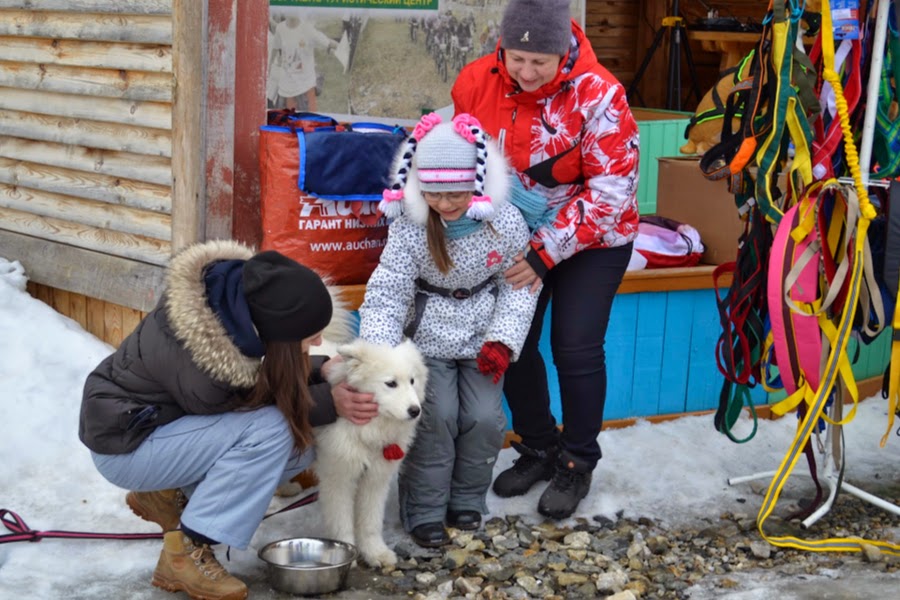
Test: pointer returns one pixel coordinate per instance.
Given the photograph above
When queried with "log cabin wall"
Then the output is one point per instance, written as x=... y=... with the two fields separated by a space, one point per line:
x=98 y=157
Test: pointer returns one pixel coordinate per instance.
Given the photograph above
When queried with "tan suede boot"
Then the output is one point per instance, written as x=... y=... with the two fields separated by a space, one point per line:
x=163 y=507
x=185 y=566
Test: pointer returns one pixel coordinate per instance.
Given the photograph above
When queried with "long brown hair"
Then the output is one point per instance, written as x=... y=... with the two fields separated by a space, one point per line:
x=437 y=242
x=282 y=381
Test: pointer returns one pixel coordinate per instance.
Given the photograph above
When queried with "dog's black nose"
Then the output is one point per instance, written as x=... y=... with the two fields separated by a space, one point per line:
x=414 y=411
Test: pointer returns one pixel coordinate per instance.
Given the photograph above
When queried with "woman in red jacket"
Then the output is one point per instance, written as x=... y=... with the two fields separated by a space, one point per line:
x=564 y=123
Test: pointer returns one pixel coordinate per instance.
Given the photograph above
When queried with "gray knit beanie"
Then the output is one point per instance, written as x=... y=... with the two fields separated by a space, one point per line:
x=542 y=26
x=446 y=161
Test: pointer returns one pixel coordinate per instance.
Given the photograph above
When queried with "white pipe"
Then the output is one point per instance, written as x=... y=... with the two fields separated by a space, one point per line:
x=865 y=150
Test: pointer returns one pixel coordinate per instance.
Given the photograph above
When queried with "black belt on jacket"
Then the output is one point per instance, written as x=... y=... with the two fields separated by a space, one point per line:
x=458 y=293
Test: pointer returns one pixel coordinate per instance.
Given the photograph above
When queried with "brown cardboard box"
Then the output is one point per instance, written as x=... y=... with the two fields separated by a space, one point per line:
x=685 y=195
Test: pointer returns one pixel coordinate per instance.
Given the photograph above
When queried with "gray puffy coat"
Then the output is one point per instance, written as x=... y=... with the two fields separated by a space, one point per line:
x=178 y=361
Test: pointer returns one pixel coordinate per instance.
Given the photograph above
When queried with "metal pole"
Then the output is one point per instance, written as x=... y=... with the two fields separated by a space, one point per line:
x=865 y=150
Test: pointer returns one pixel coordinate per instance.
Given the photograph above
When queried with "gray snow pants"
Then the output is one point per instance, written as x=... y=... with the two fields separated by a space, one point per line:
x=451 y=462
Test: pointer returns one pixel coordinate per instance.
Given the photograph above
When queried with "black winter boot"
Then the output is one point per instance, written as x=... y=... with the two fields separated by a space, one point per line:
x=532 y=466
x=571 y=482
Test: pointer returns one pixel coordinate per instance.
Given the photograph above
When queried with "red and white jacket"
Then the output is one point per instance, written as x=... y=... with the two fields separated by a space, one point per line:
x=574 y=141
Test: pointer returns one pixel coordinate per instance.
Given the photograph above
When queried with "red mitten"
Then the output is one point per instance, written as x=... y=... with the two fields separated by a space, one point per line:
x=494 y=359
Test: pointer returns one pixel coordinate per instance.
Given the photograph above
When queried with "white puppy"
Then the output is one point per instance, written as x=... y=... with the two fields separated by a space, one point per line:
x=355 y=464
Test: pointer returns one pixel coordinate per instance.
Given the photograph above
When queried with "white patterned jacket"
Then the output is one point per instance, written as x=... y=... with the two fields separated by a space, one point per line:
x=450 y=328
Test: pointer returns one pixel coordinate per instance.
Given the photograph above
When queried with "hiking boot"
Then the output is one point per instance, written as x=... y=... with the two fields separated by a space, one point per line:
x=571 y=482
x=163 y=507
x=466 y=520
x=430 y=535
x=186 y=566
x=532 y=466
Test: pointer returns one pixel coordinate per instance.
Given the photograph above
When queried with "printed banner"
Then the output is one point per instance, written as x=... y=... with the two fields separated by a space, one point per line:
x=393 y=59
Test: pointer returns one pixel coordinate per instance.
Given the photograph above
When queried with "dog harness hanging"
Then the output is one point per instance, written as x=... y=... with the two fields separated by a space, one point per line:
x=859 y=212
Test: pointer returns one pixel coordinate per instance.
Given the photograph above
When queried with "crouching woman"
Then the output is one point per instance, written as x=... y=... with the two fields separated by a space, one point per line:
x=209 y=405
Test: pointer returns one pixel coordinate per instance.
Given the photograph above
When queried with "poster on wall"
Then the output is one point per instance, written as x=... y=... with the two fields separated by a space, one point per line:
x=395 y=59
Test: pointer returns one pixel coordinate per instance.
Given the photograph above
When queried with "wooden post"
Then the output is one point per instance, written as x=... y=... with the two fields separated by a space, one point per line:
x=219 y=134
x=250 y=113
x=188 y=147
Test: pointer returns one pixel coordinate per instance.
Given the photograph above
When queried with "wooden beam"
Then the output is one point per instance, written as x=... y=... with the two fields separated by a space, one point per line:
x=149 y=169
x=86 y=212
x=93 y=274
x=82 y=81
x=188 y=147
x=86 y=184
x=110 y=55
x=218 y=133
x=139 y=248
x=96 y=27
x=250 y=113
x=667 y=280
x=141 y=7
x=82 y=132
x=157 y=115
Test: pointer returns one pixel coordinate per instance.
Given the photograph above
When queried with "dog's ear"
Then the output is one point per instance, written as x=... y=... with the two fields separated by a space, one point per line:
x=358 y=351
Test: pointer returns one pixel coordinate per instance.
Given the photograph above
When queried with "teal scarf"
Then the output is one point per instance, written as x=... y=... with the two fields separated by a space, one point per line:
x=461 y=227
x=532 y=205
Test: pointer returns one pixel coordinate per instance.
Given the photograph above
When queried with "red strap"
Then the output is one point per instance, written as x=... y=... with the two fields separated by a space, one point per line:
x=21 y=532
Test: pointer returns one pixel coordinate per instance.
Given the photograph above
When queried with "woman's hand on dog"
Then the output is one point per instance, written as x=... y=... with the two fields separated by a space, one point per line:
x=357 y=407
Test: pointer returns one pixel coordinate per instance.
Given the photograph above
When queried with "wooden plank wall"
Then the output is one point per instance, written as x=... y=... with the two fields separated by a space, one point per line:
x=648 y=18
x=611 y=26
x=87 y=91
x=106 y=321
x=661 y=360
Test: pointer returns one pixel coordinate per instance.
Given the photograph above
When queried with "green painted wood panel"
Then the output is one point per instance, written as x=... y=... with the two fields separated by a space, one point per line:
x=662 y=134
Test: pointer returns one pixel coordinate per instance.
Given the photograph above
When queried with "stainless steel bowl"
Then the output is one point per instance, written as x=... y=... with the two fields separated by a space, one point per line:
x=308 y=566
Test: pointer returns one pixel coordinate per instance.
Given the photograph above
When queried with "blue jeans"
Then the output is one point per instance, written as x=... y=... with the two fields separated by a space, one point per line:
x=227 y=464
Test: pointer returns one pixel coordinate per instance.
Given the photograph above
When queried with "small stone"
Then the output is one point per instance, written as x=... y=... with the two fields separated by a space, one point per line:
x=760 y=549
x=578 y=539
x=871 y=553
x=464 y=586
x=426 y=578
x=569 y=579
x=611 y=582
x=623 y=595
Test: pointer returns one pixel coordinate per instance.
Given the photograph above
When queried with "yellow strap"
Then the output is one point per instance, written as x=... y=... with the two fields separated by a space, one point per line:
x=806 y=426
x=835 y=364
x=894 y=382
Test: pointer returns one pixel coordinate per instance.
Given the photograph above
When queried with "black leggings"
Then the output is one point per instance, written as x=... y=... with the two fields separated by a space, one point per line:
x=583 y=288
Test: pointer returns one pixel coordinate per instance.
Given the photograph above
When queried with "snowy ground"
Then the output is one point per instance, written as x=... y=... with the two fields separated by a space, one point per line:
x=674 y=472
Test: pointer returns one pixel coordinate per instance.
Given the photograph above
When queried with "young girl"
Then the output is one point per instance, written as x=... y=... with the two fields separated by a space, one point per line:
x=188 y=415
x=440 y=283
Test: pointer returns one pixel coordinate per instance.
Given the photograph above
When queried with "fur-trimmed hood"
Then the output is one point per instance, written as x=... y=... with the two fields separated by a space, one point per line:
x=196 y=326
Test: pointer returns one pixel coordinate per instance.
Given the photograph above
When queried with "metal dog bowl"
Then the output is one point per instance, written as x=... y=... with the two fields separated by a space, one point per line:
x=308 y=566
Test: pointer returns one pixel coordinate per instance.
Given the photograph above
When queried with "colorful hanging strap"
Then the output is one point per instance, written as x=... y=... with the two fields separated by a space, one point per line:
x=859 y=213
x=886 y=143
x=785 y=114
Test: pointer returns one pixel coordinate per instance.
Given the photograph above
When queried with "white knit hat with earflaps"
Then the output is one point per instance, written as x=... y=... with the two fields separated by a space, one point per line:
x=447 y=157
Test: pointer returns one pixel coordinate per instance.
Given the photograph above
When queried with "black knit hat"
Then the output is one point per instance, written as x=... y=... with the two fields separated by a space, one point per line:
x=542 y=26
x=288 y=302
